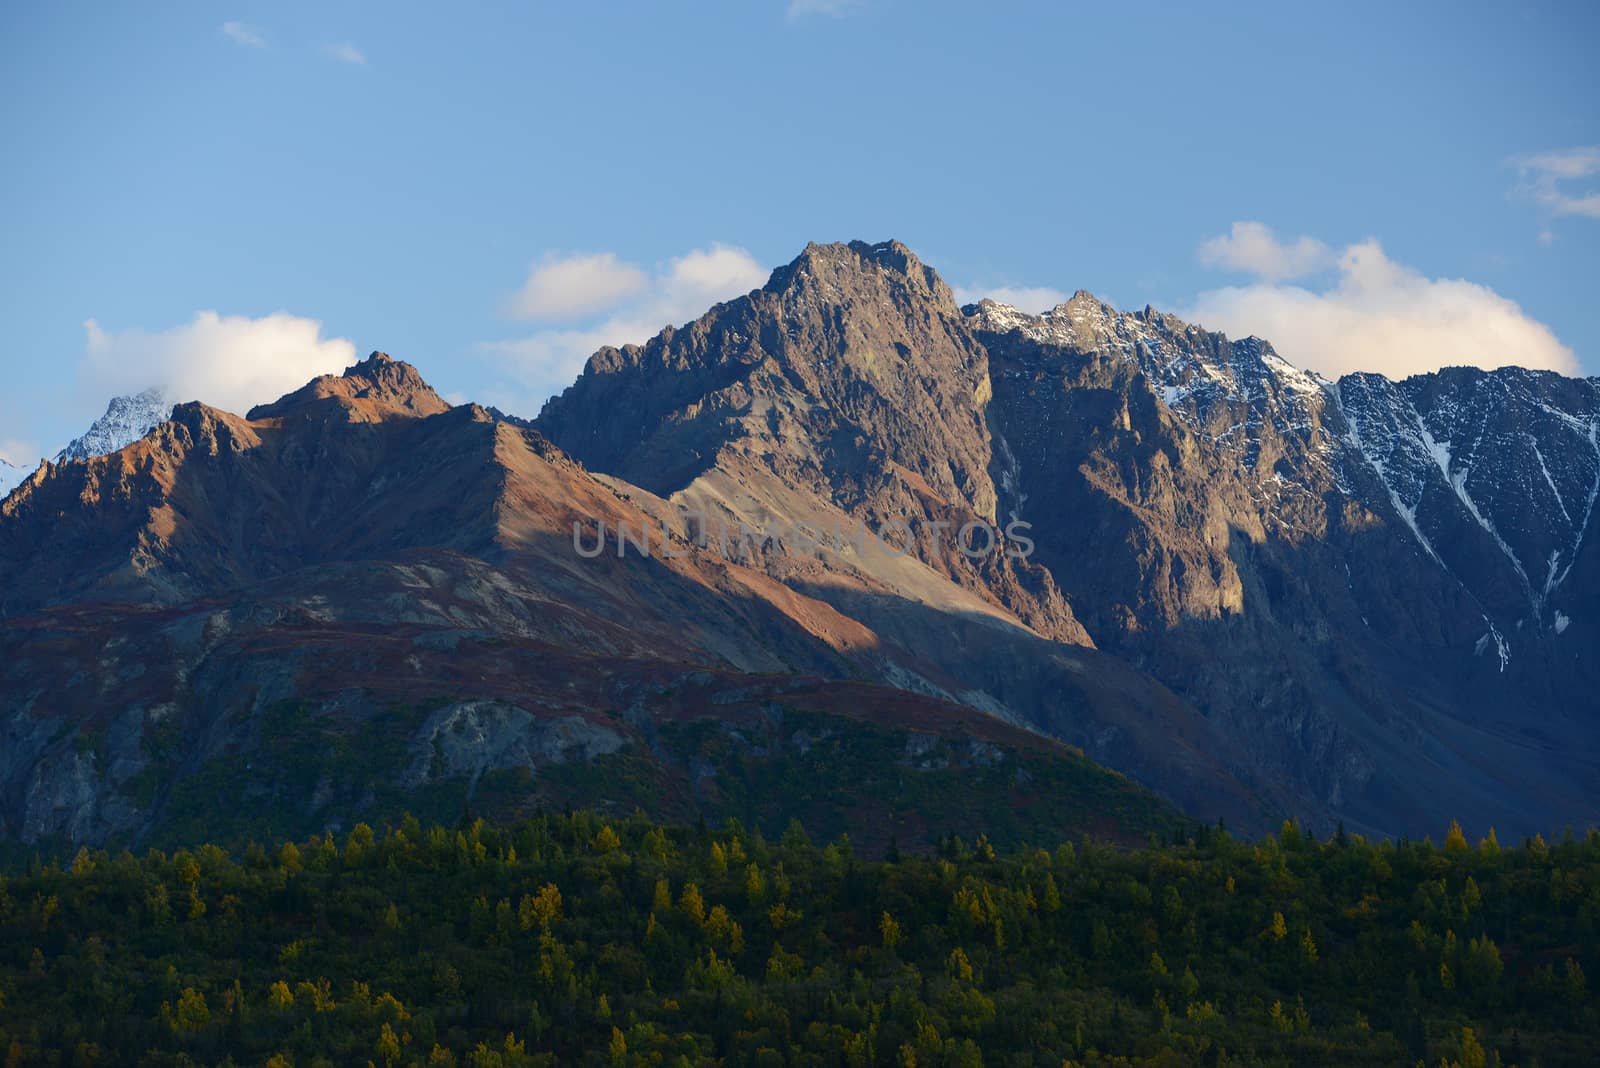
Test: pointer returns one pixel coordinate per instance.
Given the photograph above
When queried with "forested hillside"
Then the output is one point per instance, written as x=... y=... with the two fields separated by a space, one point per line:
x=577 y=940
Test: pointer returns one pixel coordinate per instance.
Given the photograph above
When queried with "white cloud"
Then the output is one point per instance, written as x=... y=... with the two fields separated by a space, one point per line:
x=833 y=8
x=1565 y=163
x=1031 y=299
x=1252 y=248
x=346 y=53
x=1548 y=177
x=1383 y=316
x=681 y=290
x=230 y=362
x=570 y=287
x=241 y=33
x=20 y=453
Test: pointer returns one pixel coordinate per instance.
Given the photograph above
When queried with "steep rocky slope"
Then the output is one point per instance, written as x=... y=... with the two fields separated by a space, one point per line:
x=850 y=381
x=1253 y=541
x=1497 y=474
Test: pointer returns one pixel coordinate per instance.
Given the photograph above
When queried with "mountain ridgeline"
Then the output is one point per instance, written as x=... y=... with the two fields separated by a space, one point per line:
x=1251 y=591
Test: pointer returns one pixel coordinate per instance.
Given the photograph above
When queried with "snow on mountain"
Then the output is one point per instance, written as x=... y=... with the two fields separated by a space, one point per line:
x=10 y=476
x=1511 y=456
x=1247 y=400
x=1495 y=473
x=1198 y=374
x=127 y=419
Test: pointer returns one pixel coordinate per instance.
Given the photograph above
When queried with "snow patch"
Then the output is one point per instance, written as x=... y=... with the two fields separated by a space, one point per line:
x=1440 y=451
x=1500 y=646
x=1588 y=509
x=1545 y=470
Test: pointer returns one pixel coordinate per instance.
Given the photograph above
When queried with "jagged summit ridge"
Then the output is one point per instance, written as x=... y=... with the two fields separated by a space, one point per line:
x=1240 y=394
x=838 y=268
x=126 y=420
x=850 y=351
x=377 y=388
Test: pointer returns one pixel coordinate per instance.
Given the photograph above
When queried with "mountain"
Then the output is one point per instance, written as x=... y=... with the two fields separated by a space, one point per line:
x=1261 y=555
x=127 y=419
x=1205 y=509
x=958 y=548
x=359 y=599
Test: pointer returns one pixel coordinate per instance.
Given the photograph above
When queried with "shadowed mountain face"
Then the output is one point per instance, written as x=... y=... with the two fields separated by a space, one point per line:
x=1254 y=591
x=1497 y=474
x=1232 y=525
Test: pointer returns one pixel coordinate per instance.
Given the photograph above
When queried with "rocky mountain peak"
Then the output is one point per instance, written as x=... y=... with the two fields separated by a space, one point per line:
x=855 y=269
x=126 y=420
x=374 y=390
x=1083 y=321
x=395 y=379
x=852 y=355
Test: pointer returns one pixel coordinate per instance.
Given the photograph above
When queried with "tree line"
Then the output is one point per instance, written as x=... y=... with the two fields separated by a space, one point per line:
x=583 y=939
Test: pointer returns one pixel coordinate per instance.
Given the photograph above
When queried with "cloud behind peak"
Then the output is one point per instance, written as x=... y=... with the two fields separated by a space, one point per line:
x=231 y=362
x=601 y=300
x=1381 y=315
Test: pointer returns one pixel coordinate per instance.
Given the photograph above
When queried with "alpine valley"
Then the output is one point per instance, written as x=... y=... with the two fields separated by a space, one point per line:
x=1252 y=594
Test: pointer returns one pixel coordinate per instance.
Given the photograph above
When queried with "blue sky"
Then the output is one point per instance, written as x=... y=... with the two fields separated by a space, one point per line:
x=485 y=189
